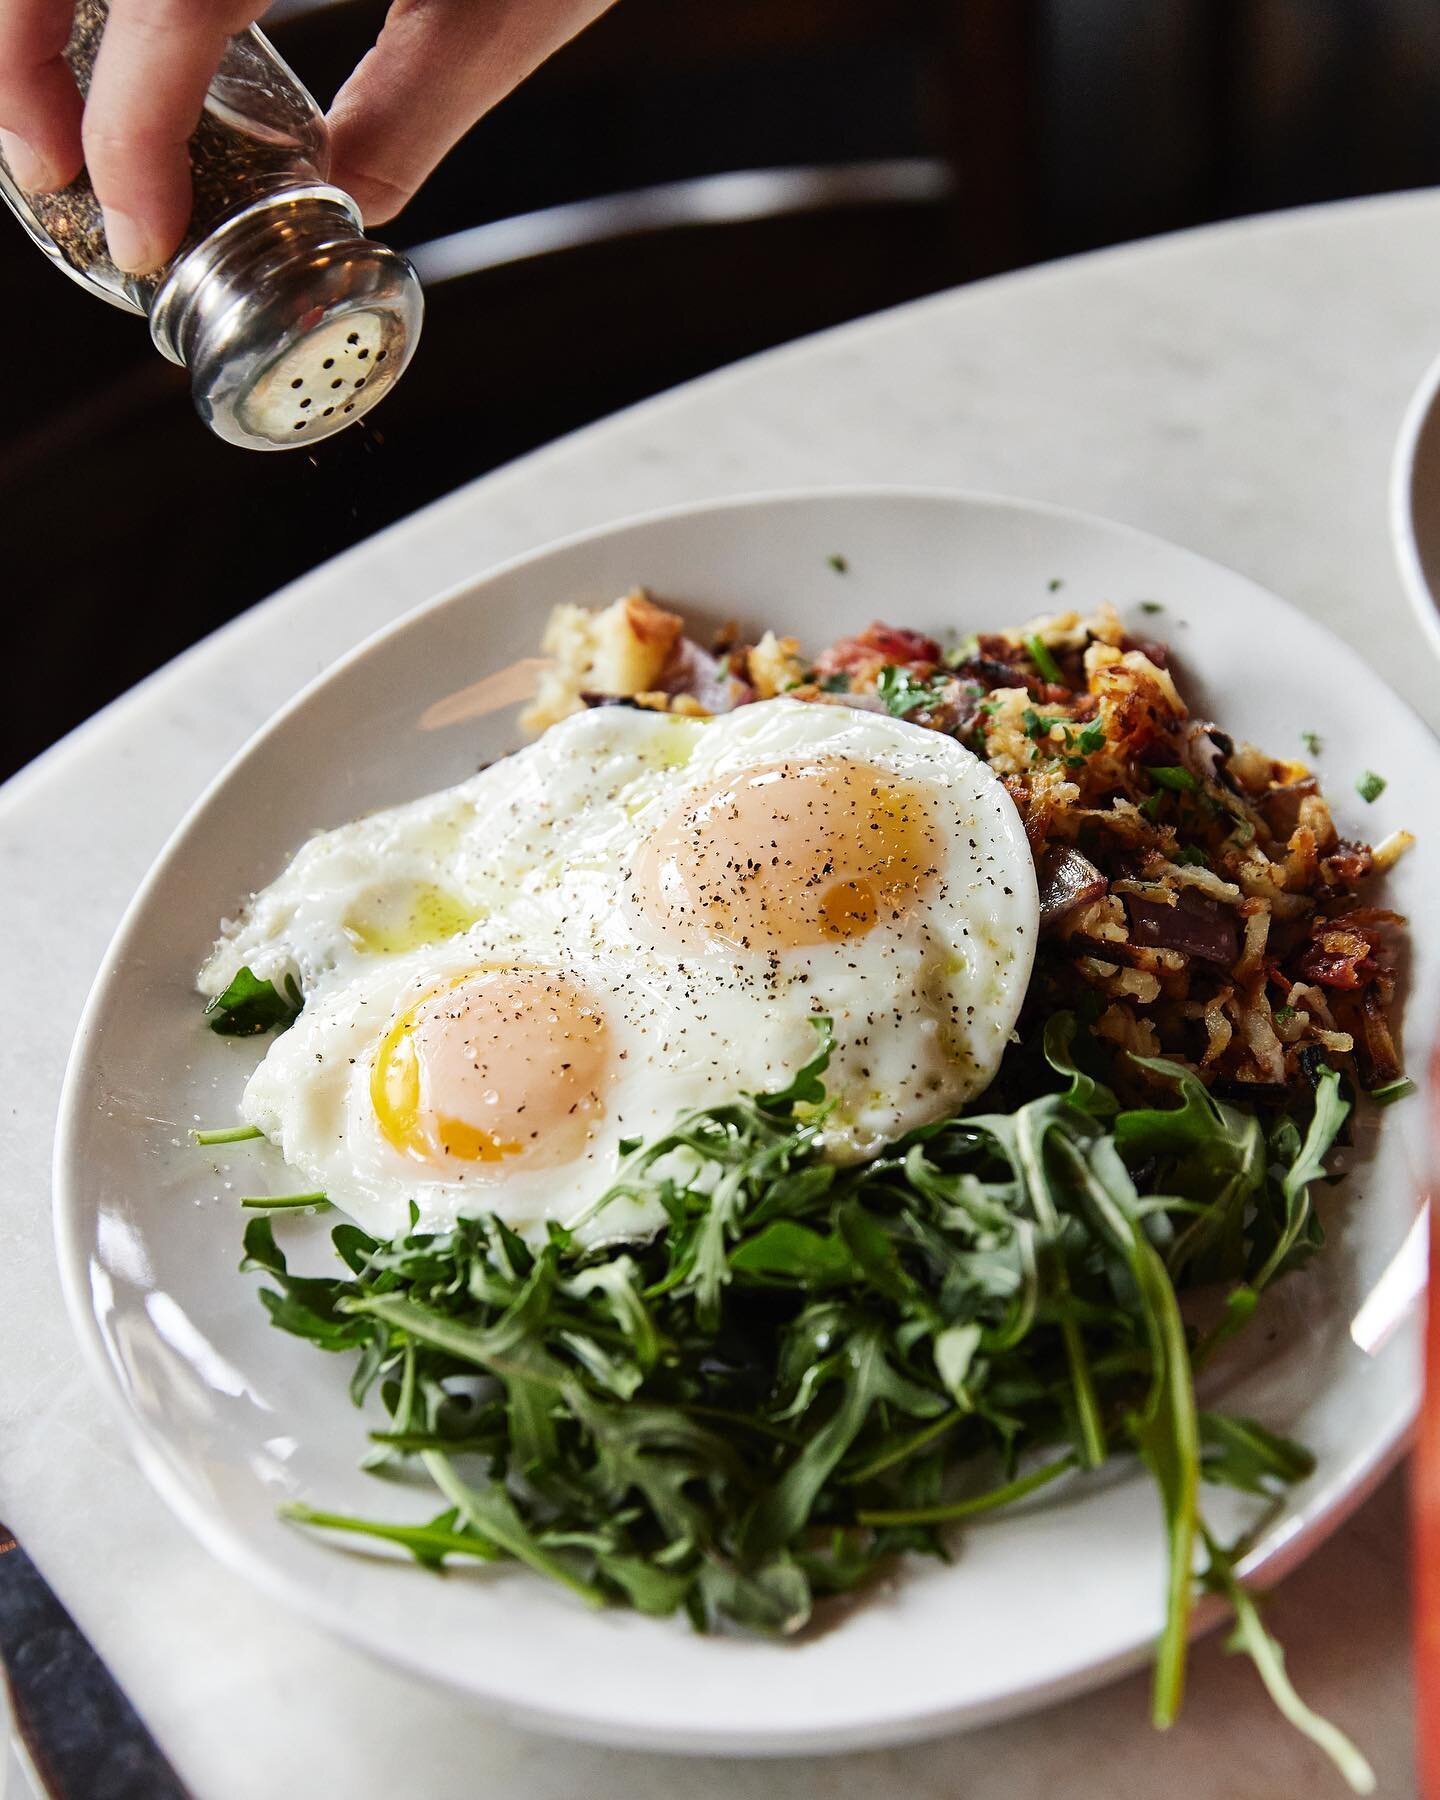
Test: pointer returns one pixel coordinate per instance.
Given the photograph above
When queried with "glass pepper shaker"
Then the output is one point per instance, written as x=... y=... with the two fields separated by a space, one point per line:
x=291 y=321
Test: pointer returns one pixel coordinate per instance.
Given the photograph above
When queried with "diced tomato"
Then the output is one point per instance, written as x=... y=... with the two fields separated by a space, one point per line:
x=888 y=643
x=1332 y=970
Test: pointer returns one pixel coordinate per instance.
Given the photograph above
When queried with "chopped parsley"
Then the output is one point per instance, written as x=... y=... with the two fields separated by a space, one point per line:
x=905 y=693
x=1044 y=659
x=1091 y=738
x=1176 y=779
x=1370 y=786
x=838 y=683
x=250 y=1005
x=1055 y=584
x=838 y=563
x=1391 y=1091
x=1191 y=855
x=1312 y=741
x=1151 y=606
x=1035 y=725
x=1282 y=1015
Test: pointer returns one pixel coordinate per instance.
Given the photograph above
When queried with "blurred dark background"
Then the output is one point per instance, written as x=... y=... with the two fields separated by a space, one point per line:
x=913 y=144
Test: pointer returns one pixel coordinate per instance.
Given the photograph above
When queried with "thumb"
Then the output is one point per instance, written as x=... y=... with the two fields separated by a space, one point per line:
x=436 y=68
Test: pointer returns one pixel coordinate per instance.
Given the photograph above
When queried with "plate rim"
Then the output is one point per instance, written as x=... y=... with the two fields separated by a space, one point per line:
x=1277 y=1554
x=1422 y=405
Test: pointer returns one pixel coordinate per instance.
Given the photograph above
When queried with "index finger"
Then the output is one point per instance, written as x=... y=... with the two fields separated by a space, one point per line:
x=156 y=60
x=39 y=102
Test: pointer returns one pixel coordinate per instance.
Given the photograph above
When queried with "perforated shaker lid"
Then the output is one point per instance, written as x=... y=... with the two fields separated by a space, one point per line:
x=292 y=322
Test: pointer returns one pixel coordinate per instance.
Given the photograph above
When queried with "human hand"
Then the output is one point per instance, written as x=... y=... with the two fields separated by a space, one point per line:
x=436 y=68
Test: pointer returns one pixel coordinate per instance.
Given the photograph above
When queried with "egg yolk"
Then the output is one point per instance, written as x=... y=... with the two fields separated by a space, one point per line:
x=790 y=854
x=498 y=1066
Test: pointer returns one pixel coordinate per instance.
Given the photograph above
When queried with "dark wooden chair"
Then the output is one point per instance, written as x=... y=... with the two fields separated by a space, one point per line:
x=680 y=187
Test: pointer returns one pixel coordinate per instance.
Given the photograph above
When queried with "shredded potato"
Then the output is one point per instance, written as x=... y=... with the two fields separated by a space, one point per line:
x=621 y=650
x=1224 y=927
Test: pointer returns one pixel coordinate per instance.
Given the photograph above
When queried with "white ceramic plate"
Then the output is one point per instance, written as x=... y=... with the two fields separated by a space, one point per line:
x=230 y=1417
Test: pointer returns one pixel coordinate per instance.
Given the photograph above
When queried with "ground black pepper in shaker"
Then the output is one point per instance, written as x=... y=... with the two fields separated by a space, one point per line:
x=290 y=320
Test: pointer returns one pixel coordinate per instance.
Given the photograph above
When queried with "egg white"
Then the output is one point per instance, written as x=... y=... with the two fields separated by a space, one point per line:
x=542 y=851
x=557 y=813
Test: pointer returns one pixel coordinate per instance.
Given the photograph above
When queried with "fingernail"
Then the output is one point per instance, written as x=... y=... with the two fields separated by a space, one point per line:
x=132 y=248
x=32 y=173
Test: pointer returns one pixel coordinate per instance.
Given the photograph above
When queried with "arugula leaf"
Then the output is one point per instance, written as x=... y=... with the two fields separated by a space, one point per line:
x=867 y=1378
x=806 y=1088
x=811 y=1368
x=794 y=1252
x=773 y=1597
x=428 y=1544
x=1242 y=1454
x=1208 y=1152
x=1250 y=1638
x=1085 y=1094
x=649 y=1589
x=1331 y=1111
x=491 y=1513
x=250 y=1005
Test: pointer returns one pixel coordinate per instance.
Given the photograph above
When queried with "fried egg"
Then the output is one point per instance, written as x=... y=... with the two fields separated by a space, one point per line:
x=636 y=916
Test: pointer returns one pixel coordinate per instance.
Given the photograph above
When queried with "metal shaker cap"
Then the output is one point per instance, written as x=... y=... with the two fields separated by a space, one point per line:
x=292 y=322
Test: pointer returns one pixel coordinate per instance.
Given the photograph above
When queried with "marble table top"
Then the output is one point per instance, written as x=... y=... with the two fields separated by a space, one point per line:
x=1237 y=389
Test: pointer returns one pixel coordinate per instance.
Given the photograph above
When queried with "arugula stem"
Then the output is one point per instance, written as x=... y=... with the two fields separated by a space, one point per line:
x=897 y=1453
x=279 y=1202
x=423 y=1538
x=495 y=1517
x=990 y=1501
x=748 y=1421
x=1251 y=1639
x=1171 y=1447
x=407 y=1443
x=405 y=1404
x=1087 y=1407
x=230 y=1134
